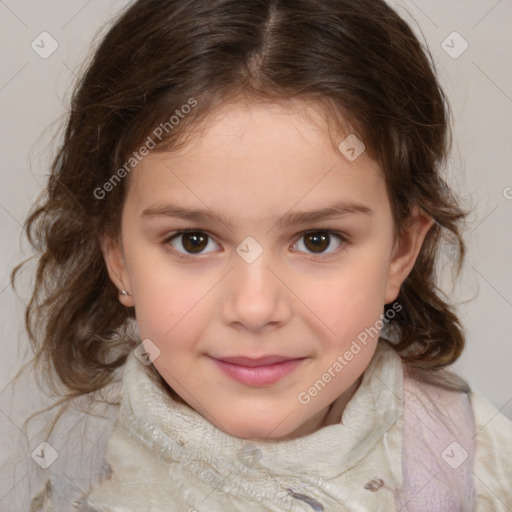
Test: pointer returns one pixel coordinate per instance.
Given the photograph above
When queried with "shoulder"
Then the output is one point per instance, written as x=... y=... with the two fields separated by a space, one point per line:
x=493 y=455
x=438 y=443
x=462 y=425
x=81 y=434
x=439 y=400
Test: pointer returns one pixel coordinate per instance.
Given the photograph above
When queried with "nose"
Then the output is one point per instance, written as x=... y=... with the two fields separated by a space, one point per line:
x=255 y=296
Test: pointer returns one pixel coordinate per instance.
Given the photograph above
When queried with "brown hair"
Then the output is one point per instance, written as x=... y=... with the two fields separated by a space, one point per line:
x=358 y=60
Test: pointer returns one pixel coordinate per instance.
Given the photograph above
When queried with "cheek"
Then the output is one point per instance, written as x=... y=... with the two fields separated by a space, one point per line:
x=171 y=300
x=349 y=301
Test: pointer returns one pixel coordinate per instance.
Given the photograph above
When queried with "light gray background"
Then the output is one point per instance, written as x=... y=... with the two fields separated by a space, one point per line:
x=34 y=94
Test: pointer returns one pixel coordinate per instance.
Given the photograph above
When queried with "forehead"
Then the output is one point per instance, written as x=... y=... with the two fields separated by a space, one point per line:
x=245 y=115
x=256 y=157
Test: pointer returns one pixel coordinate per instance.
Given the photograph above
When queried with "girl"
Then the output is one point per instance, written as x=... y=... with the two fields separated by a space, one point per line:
x=237 y=270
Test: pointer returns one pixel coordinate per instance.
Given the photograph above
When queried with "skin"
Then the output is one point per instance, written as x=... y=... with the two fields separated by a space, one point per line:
x=253 y=164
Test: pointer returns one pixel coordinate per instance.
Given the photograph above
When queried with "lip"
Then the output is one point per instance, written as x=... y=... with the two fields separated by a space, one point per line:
x=257 y=371
x=256 y=361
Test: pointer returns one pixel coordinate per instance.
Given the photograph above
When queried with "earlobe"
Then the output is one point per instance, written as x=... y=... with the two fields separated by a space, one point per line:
x=117 y=270
x=406 y=250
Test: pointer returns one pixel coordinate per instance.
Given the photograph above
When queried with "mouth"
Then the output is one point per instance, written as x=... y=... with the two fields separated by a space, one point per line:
x=257 y=371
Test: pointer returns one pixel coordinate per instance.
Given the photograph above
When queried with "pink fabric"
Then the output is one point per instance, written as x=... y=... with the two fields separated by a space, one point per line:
x=439 y=430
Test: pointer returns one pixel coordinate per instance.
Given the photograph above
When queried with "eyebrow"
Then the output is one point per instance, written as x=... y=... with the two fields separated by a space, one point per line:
x=338 y=209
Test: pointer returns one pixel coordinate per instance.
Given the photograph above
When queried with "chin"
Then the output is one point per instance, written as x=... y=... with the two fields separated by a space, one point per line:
x=247 y=427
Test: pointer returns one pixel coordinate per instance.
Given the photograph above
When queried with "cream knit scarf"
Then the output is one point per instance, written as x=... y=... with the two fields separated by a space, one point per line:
x=164 y=456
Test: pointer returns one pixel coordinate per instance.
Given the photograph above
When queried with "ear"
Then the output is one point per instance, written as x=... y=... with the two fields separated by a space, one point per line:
x=406 y=250
x=116 y=268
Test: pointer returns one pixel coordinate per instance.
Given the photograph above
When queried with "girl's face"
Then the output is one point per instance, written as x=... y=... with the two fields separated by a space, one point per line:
x=260 y=326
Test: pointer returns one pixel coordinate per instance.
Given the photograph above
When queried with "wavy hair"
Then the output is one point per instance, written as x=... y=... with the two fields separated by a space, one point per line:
x=359 y=60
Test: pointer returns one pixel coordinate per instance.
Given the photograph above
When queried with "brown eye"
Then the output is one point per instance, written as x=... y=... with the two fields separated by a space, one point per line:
x=193 y=242
x=317 y=242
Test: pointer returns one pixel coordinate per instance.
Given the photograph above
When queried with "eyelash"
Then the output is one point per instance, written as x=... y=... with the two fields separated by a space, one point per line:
x=342 y=237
